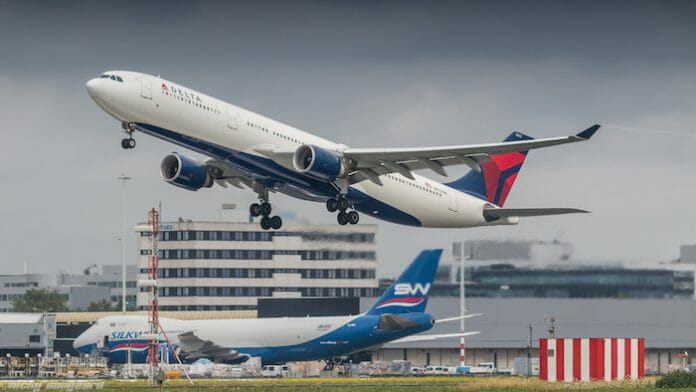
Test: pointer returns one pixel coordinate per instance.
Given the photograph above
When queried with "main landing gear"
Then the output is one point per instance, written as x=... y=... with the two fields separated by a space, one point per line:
x=341 y=204
x=264 y=210
x=128 y=142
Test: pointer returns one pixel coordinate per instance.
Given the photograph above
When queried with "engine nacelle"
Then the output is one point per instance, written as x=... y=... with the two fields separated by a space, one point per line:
x=318 y=162
x=185 y=172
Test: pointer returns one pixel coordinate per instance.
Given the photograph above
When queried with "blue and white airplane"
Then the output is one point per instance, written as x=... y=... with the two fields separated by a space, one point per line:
x=398 y=315
x=245 y=149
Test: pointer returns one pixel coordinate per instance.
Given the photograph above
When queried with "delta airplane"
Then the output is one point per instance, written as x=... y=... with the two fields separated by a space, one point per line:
x=245 y=149
x=398 y=315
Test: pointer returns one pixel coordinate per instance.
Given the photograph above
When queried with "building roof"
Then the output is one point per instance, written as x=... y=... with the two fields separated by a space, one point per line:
x=20 y=318
x=505 y=321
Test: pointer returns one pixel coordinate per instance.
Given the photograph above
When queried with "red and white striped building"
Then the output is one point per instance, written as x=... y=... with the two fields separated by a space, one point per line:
x=589 y=359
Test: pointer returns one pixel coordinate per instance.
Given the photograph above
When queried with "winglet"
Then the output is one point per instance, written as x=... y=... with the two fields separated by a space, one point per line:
x=587 y=134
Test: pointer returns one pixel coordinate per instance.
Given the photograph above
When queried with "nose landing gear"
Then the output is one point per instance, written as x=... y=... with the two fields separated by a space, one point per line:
x=128 y=142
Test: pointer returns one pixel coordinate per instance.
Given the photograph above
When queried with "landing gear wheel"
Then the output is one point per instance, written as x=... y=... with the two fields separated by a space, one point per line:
x=353 y=217
x=276 y=222
x=265 y=223
x=265 y=208
x=342 y=218
x=255 y=210
x=343 y=203
x=332 y=205
x=127 y=143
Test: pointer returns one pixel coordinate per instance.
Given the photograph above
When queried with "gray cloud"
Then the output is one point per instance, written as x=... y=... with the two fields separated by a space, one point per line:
x=364 y=74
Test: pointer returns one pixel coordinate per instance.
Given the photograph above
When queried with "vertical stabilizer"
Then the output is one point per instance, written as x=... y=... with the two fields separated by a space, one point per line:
x=409 y=293
x=496 y=178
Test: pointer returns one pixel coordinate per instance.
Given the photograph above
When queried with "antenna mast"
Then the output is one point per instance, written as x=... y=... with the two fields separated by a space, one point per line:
x=153 y=308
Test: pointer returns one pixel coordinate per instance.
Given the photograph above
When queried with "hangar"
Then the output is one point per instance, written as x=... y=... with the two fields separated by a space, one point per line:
x=666 y=325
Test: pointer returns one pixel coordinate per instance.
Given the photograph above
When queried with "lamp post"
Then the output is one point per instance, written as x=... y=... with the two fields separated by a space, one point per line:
x=123 y=178
x=462 y=311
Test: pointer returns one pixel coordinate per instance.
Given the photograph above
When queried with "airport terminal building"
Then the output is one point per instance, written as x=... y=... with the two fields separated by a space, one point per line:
x=229 y=265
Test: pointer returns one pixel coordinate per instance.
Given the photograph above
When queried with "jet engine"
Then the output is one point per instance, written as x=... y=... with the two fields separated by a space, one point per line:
x=318 y=162
x=185 y=172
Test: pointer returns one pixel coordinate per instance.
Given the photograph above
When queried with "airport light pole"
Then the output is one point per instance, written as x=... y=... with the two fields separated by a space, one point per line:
x=462 y=311
x=123 y=178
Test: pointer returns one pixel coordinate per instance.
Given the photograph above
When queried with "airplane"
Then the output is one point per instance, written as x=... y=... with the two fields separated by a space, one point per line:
x=245 y=149
x=399 y=315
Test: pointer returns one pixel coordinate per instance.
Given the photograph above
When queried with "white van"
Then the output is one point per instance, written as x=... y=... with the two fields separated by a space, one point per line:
x=436 y=370
x=274 y=370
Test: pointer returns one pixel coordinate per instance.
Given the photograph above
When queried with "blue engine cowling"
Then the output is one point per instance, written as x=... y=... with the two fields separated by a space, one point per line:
x=318 y=162
x=185 y=172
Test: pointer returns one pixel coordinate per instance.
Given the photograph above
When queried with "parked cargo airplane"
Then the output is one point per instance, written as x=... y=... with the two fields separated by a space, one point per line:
x=247 y=149
x=398 y=315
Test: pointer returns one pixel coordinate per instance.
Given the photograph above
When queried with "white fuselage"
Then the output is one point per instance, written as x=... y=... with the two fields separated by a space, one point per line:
x=248 y=333
x=124 y=338
x=217 y=128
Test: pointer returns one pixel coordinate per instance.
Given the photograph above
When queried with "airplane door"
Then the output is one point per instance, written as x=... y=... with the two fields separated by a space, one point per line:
x=232 y=119
x=453 y=202
x=145 y=88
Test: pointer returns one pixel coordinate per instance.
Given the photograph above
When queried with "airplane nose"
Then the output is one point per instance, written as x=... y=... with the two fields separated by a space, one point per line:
x=80 y=342
x=92 y=86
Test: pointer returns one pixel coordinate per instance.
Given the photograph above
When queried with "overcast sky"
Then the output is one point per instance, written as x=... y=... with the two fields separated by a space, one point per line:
x=369 y=75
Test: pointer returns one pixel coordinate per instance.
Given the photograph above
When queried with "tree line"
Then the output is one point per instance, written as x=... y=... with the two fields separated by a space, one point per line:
x=51 y=301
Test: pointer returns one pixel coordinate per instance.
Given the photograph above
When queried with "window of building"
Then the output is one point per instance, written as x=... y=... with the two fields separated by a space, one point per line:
x=34 y=338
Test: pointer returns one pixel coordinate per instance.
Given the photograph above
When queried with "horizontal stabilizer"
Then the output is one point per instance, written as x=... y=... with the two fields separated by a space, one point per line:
x=423 y=338
x=444 y=320
x=501 y=213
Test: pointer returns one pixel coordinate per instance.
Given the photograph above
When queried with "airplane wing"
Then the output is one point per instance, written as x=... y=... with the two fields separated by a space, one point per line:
x=421 y=338
x=370 y=163
x=193 y=348
x=225 y=175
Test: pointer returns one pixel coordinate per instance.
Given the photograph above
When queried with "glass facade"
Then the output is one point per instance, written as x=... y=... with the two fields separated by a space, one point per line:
x=237 y=235
x=580 y=282
x=252 y=254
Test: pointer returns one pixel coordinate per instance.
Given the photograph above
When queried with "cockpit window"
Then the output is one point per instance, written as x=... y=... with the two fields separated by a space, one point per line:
x=112 y=77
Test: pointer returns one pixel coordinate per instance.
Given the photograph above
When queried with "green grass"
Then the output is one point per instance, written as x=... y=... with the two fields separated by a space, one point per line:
x=374 y=384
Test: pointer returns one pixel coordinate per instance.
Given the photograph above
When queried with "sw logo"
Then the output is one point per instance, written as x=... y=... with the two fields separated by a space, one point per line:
x=409 y=295
x=408 y=289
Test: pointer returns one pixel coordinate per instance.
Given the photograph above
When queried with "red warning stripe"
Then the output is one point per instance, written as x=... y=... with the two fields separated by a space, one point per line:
x=543 y=360
x=614 y=358
x=577 y=358
x=641 y=358
x=627 y=359
x=560 y=360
